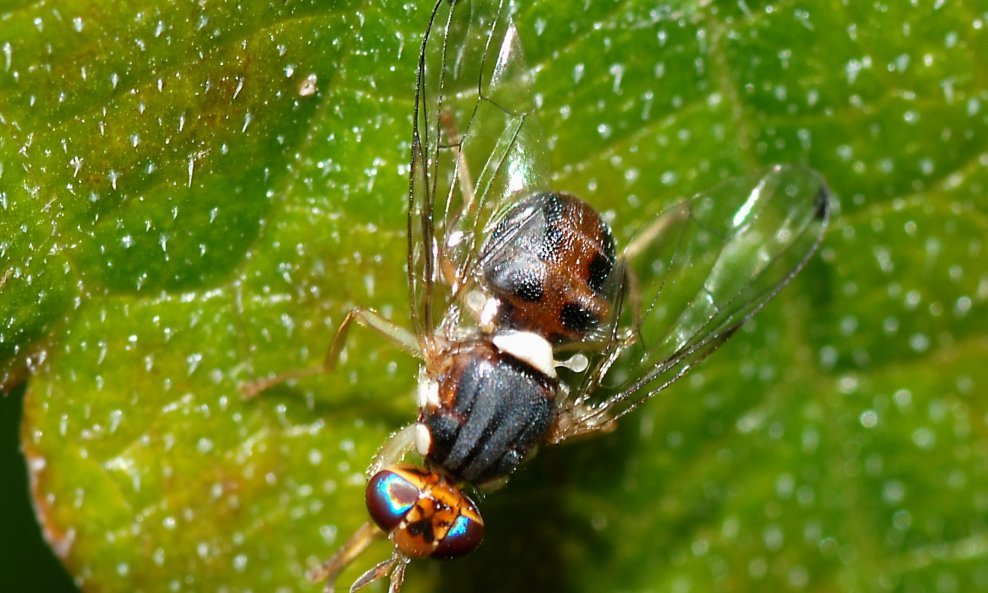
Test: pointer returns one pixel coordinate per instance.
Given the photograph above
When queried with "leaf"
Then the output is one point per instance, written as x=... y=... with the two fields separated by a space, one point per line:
x=180 y=214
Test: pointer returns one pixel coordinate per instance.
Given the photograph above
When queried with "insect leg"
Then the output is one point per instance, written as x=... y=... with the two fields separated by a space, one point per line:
x=329 y=570
x=462 y=169
x=365 y=317
x=394 y=565
x=675 y=215
x=390 y=453
x=579 y=418
x=466 y=184
x=398 y=575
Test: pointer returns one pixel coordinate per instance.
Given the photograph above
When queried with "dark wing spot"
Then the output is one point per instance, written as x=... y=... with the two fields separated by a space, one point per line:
x=575 y=318
x=599 y=271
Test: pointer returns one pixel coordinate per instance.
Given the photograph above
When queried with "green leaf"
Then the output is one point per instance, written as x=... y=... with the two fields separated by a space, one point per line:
x=180 y=213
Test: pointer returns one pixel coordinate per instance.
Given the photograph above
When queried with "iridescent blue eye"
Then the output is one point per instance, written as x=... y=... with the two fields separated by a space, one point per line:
x=463 y=537
x=423 y=513
x=389 y=497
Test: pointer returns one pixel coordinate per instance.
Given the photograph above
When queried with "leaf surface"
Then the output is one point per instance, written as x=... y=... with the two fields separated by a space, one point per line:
x=193 y=194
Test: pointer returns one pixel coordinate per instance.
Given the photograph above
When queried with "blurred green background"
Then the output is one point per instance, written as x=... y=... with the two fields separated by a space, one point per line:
x=192 y=194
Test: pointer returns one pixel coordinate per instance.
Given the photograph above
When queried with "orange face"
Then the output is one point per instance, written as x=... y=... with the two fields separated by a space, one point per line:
x=424 y=514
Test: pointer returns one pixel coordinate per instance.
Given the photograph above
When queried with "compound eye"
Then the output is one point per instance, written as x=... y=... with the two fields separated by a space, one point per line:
x=464 y=535
x=390 y=495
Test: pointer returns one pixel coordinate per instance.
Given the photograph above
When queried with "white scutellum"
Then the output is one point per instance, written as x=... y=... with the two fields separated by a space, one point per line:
x=528 y=347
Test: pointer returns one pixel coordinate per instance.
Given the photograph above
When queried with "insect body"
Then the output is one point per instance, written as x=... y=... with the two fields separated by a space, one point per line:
x=491 y=409
x=551 y=267
x=511 y=282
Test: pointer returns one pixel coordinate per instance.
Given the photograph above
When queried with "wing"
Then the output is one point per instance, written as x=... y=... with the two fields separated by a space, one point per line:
x=475 y=148
x=696 y=274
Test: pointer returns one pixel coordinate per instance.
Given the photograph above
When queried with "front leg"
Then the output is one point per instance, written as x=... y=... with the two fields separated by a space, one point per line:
x=330 y=570
x=393 y=450
x=365 y=317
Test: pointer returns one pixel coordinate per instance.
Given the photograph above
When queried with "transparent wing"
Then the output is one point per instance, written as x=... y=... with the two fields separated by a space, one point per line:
x=696 y=274
x=475 y=148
